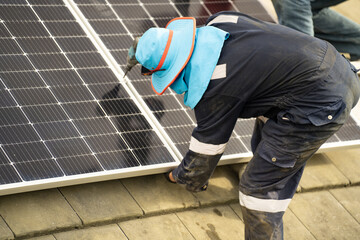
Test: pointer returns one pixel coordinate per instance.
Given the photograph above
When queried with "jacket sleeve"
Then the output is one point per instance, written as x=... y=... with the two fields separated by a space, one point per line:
x=216 y=117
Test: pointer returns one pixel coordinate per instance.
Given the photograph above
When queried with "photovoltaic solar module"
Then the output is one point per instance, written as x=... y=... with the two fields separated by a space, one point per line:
x=63 y=110
x=66 y=114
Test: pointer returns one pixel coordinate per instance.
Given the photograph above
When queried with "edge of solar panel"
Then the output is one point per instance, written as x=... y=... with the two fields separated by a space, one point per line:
x=84 y=178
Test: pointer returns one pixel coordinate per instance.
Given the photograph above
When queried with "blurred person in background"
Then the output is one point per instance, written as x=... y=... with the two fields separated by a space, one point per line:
x=315 y=18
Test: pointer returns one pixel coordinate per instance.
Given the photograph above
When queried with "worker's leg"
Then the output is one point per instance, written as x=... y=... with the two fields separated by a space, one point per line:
x=284 y=143
x=295 y=14
x=272 y=176
x=340 y=31
x=320 y=4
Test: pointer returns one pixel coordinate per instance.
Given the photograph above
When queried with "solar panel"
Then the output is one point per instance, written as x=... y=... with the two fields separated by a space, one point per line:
x=63 y=110
x=68 y=116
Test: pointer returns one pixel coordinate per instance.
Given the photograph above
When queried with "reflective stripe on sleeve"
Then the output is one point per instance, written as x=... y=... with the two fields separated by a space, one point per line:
x=219 y=72
x=263 y=205
x=206 y=148
x=224 y=18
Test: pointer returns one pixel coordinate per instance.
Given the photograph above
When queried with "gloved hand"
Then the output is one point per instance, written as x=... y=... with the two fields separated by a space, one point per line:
x=131 y=59
x=190 y=188
x=169 y=177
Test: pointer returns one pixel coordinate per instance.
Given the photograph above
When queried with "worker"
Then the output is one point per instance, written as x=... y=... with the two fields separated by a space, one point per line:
x=299 y=88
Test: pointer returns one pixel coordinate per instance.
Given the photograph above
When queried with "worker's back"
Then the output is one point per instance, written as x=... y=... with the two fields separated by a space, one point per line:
x=269 y=65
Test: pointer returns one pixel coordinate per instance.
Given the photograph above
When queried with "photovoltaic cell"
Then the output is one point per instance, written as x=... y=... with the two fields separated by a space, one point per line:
x=14 y=63
x=12 y=116
x=26 y=29
x=38 y=169
x=350 y=131
x=7 y=46
x=56 y=130
x=60 y=77
x=80 y=164
x=61 y=105
x=45 y=113
x=8 y=174
x=117 y=159
x=69 y=29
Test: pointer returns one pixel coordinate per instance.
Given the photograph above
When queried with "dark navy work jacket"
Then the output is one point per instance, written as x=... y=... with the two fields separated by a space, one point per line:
x=269 y=70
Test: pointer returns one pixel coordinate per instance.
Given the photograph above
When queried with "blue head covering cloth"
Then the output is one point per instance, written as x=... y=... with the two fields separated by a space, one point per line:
x=181 y=57
x=195 y=78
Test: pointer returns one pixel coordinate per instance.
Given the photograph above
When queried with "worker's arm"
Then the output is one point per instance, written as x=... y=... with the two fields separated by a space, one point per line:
x=216 y=117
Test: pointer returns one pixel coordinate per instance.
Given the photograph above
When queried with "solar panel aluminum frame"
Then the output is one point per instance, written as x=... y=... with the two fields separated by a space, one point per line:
x=14 y=188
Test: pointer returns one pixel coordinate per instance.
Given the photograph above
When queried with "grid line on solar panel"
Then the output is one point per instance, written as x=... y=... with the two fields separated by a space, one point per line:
x=113 y=18
x=36 y=29
x=124 y=124
x=8 y=175
x=54 y=89
x=32 y=2
x=111 y=160
x=42 y=141
x=153 y=12
x=5 y=160
x=74 y=112
x=32 y=70
x=33 y=13
x=39 y=135
x=15 y=156
x=44 y=130
x=30 y=55
x=80 y=150
x=59 y=103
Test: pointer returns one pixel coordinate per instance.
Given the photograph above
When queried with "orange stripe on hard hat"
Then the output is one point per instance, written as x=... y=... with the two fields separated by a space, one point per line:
x=163 y=57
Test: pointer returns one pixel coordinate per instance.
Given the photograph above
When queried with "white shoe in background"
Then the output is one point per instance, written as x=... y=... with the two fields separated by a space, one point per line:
x=356 y=65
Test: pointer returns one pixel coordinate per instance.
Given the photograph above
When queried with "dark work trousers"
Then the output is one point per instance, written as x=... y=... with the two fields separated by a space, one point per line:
x=269 y=183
